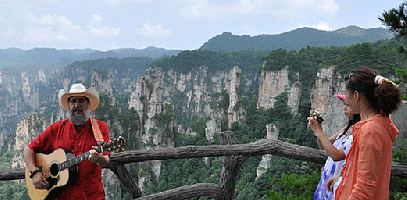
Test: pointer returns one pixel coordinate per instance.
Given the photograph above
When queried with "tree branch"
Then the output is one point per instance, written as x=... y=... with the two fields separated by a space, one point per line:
x=12 y=174
x=188 y=191
x=261 y=147
x=125 y=178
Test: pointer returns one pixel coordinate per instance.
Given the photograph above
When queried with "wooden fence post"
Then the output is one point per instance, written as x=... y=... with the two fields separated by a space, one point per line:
x=230 y=168
x=125 y=178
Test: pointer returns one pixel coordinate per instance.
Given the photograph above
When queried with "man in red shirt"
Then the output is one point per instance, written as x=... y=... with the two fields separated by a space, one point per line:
x=73 y=134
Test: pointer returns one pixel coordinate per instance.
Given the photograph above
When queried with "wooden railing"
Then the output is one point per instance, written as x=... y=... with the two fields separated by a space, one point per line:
x=235 y=155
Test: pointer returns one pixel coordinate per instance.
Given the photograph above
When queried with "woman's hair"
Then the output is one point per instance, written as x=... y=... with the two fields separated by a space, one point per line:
x=383 y=95
x=354 y=120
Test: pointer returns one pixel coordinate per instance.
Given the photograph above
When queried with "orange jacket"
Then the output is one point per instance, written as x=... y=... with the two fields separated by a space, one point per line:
x=366 y=174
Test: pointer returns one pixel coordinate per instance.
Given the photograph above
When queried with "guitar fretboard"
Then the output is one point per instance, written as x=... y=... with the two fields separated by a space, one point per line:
x=76 y=160
x=109 y=147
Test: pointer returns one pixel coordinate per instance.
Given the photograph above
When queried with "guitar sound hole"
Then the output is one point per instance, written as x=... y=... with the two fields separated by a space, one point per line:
x=53 y=169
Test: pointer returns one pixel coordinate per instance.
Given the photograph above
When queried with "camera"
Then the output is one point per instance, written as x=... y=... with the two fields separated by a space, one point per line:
x=316 y=114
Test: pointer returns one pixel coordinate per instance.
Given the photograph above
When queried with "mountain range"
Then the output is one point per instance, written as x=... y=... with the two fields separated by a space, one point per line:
x=292 y=40
x=49 y=57
x=297 y=39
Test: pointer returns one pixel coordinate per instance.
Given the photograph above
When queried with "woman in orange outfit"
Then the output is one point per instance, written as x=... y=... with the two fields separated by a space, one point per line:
x=366 y=174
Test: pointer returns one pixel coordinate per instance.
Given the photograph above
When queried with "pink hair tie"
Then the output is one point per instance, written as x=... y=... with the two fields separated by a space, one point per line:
x=340 y=96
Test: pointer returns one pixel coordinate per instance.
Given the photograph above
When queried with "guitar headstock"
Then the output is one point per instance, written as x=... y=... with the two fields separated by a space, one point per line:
x=115 y=146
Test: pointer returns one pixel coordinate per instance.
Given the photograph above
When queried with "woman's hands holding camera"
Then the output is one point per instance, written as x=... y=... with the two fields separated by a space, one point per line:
x=315 y=123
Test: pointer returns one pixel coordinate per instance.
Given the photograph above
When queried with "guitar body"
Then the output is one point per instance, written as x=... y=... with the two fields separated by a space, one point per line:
x=55 y=179
x=61 y=168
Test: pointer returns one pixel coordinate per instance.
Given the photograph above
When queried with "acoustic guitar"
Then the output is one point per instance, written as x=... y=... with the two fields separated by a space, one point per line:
x=60 y=169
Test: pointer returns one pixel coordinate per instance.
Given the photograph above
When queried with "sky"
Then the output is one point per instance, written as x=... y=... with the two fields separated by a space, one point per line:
x=171 y=24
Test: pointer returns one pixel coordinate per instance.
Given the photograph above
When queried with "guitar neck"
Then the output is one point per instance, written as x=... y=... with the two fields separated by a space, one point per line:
x=116 y=144
x=76 y=160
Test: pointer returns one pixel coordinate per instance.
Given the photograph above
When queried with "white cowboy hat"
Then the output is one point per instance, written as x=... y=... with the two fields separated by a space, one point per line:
x=77 y=89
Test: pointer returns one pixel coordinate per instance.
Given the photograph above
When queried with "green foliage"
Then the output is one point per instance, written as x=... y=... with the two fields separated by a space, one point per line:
x=292 y=128
x=249 y=186
x=166 y=117
x=400 y=49
x=6 y=159
x=224 y=102
x=187 y=61
x=380 y=56
x=295 y=186
x=112 y=62
x=402 y=75
x=13 y=190
x=396 y=20
x=253 y=128
x=197 y=126
x=400 y=155
x=176 y=173
x=398 y=188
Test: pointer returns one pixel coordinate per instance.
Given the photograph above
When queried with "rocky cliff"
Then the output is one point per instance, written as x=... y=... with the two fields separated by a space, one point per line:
x=27 y=129
x=273 y=83
x=328 y=83
x=158 y=95
x=193 y=94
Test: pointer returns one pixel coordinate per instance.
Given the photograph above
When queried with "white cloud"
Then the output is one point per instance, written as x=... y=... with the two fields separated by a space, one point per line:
x=119 y=2
x=105 y=31
x=212 y=8
x=153 y=30
x=324 y=26
x=96 y=19
x=51 y=28
x=329 y=6
x=99 y=30
x=5 y=30
x=2 y=20
x=35 y=34
x=49 y=20
x=198 y=9
x=10 y=31
x=60 y=29
x=248 y=29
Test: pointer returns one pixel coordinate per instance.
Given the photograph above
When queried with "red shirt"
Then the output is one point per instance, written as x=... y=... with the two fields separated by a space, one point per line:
x=62 y=134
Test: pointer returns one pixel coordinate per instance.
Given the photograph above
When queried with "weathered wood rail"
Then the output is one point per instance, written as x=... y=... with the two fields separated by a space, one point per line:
x=235 y=155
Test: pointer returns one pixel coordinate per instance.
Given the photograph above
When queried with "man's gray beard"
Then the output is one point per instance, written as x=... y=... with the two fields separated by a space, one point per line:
x=80 y=119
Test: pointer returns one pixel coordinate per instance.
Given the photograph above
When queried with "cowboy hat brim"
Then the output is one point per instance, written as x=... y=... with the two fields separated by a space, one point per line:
x=90 y=93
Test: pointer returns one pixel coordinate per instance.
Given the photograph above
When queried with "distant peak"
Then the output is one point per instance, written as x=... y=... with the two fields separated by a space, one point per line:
x=351 y=30
x=352 y=27
x=151 y=47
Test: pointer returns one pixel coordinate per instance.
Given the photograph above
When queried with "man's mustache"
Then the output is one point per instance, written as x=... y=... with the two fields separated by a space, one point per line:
x=77 y=109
